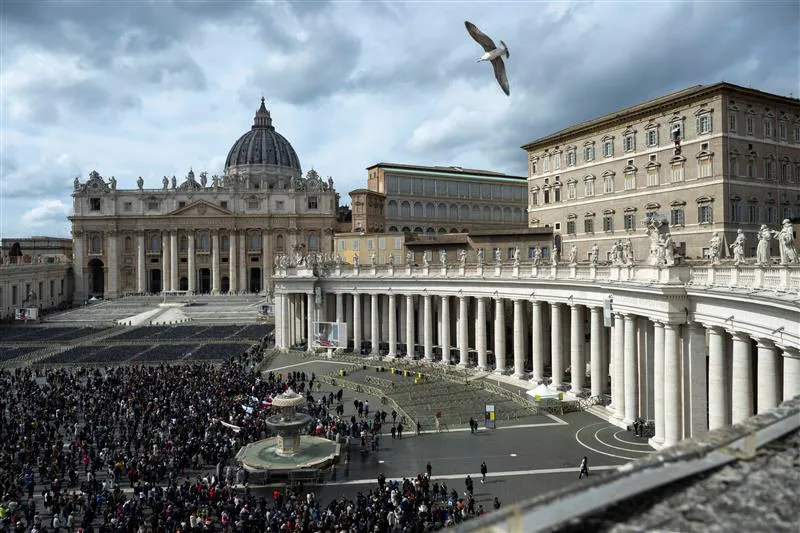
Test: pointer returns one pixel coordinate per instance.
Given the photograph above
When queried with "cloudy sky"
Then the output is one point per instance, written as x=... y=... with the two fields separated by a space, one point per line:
x=151 y=88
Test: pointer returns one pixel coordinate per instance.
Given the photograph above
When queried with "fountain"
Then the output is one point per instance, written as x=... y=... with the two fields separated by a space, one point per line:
x=289 y=450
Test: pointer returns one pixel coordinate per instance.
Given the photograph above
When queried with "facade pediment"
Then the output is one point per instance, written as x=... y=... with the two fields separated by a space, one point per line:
x=200 y=208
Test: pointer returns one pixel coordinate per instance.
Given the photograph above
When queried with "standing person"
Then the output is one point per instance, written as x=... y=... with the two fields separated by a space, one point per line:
x=428 y=469
x=483 y=472
x=496 y=503
x=400 y=430
x=584 y=467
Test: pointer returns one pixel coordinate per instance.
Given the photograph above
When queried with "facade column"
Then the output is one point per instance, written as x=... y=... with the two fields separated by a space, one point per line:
x=339 y=307
x=741 y=379
x=480 y=333
x=112 y=266
x=357 y=323
x=348 y=313
x=173 y=258
x=658 y=382
x=278 y=323
x=499 y=336
x=384 y=305
x=577 y=360
x=165 y=262
x=791 y=372
x=191 y=264
x=266 y=262
x=519 y=341
x=444 y=318
x=718 y=391
x=232 y=271
x=310 y=319
x=463 y=333
x=673 y=412
x=79 y=294
x=537 y=341
x=630 y=370
x=596 y=350
x=215 y=282
x=769 y=389
x=243 y=285
x=410 y=325
x=375 y=336
x=695 y=388
x=557 y=347
x=427 y=327
x=141 y=268
x=392 y=325
x=618 y=370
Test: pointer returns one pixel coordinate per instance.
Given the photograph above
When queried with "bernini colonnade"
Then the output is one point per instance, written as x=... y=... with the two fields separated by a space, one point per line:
x=692 y=348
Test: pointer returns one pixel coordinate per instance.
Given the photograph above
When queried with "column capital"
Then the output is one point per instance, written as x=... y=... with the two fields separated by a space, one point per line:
x=790 y=351
x=738 y=335
x=765 y=343
x=556 y=304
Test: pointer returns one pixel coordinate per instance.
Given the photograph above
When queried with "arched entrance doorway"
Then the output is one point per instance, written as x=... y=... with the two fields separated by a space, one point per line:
x=225 y=285
x=204 y=281
x=154 y=283
x=255 y=280
x=184 y=284
x=96 y=278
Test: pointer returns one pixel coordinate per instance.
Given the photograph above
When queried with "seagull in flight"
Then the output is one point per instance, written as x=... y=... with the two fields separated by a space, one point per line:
x=492 y=53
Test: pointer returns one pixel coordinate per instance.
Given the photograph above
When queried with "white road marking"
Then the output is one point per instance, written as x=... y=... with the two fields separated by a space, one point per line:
x=308 y=363
x=615 y=447
x=631 y=443
x=577 y=438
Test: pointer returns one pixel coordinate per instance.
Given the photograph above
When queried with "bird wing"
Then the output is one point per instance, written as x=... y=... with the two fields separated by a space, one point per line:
x=500 y=74
x=480 y=37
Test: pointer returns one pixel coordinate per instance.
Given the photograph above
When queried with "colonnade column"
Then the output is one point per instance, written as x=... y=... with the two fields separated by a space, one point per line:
x=173 y=261
x=718 y=391
x=357 y=323
x=617 y=354
x=673 y=413
x=596 y=350
x=631 y=371
x=519 y=342
x=190 y=263
x=410 y=325
x=741 y=379
x=556 y=346
x=165 y=261
x=444 y=318
x=695 y=389
x=427 y=327
x=392 y=325
x=769 y=390
x=537 y=342
x=480 y=333
x=374 y=330
x=791 y=372
x=215 y=262
x=141 y=269
x=339 y=307
x=577 y=361
x=463 y=333
x=232 y=271
x=266 y=262
x=310 y=319
x=658 y=382
x=242 y=286
x=499 y=336
x=112 y=266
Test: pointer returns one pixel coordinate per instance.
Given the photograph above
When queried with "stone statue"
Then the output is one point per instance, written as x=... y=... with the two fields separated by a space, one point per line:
x=573 y=255
x=391 y=260
x=668 y=247
x=165 y=183
x=330 y=183
x=786 y=242
x=278 y=261
x=654 y=232
x=555 y=256
x=356 y=261
x=481 y=258
x=140 y=183
x=76 y=183
x=409 y=258
x=425 y=261
x=215 y=181
x=203 y=178
x=765 y=235
x=462 y=257
x=497 y=257
x=174 y=182
x=738 y=248
x=516 y=256
x=537 y=256
x=627 y=252
x=372 y=259
x=113 y=181
x=337 y=259
x=594 y=254
x=714 y=248
x=616 y=253
x=442 y=256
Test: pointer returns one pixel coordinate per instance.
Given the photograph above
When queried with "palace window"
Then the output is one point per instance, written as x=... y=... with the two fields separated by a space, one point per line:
x=772 y=214
x=127 y=206
x=556 y=161
x=782 y=134
x=704 y=213
x=588 y=225
x=749 y=125
x=356 y=245
x=94 y=204
x=768 y=128
x=736 y=211
x=732 y=122
x=155 y=243
x=797 y=134
x=676 y=172
x=751 y=168
x=608 y=148
x=704 y=167
x=255 y=241
x=588 y=152
x=652 y=177
x=630 y=181
x=533 y=169
x=545 y=162
x=608 y=184
x=312 y=202
x=753 y=213
x=677 y=216
x=128 y=244
x=572 y=190
x=676 y=130
x=703 y=124
x=183 y=244
x=629 y=142
x=204 y=243
x=252 y=205
x=571 y=158
x=97 y=244
x=608 y=222
x=769 y=169
x=652 y=137
x=571 y=227
x=588 y=186
x=629 y=220
x=785 y=172
x=225 y=243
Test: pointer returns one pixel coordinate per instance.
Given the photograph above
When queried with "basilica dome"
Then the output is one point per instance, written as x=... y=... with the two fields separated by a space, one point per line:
x=262 y=150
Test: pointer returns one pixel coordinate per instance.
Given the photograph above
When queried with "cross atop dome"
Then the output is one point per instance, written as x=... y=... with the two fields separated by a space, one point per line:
x=262 y=118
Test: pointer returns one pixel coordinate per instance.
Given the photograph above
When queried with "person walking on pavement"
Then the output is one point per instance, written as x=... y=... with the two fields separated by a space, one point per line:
x=584 y=467
x=496 y=503
x=483 y=472
x=428 y=469
x=400 y=430
x=469 y=484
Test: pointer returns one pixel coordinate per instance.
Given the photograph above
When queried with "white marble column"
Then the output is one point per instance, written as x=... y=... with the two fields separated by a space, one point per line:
x=215 y=283
x=769 y=380
x=557 y=347
x=348 y=313
x=112 y=267
x=596 y=350
x=232 y=270
x=427 y=327
x=339 y=307
x=658 y=382
x=480 y=332
x=577 y=361
x=537 y=341
x=141 y=268
x=791 y=372
x=673 y=412
x=695 y=388
x=631 y=377
x=384 y=306
x=165 y=262
x=499 y=335
x=519 y=341
x=392 y=326
x=243 y=270
x=311 y=317
x=741 y=378
x=173 y=258
x=267 y=262
x=444 y=319
x=191 y=265
x=410 y=341
x=463 y=334
x=718 y=390
x=375 y=336
x=618 y=370
x=357 y=323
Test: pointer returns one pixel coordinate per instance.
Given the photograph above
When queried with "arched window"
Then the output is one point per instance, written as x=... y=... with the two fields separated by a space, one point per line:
x=417 y=230
x=463 y=212
x=497 y=214
x=391 y=209
x=155 y=243
x=406 y=229
x=393 y=228
x=128 y=244
x=313 y=241
x=430 y=231
x=506 y=214
x=184 y=243
x=405 y=210
x=96 y=244
x=279 y=243
x=418 y=213
x=225 y=243
x=204 y=242
x=255 y=241
x=430 y=210
x=518 y=215
x=442 y=230
x=453 y=212
x=487 y=213
x=476 y=212
x=441 y=212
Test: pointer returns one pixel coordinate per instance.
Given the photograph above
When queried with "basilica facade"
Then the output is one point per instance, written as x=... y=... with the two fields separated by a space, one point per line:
x=202 y=234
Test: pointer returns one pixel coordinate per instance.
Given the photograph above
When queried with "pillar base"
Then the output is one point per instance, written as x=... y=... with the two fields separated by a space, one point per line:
x=655 y=444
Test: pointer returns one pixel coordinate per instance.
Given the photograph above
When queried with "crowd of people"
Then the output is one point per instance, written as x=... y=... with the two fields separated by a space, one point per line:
x=150 y=448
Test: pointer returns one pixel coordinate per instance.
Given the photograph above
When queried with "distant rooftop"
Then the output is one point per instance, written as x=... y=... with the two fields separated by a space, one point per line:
x=451 y=170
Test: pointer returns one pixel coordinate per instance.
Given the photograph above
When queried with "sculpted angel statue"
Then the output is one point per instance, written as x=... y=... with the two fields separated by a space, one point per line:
x=480 y=256
x=573 y=255
x=765 y=235
x=462 y=257
x=738 y=248
x=409 y=257
x=442 y=256
x=786 y=242
x=715 y=247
